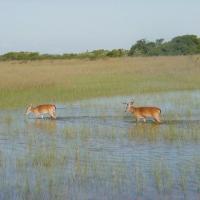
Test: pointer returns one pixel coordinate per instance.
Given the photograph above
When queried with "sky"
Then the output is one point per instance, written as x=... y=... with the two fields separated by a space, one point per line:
x=65 y=26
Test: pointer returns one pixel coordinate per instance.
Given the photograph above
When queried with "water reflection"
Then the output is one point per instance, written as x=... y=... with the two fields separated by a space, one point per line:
x=44 y=125
x=144 y=132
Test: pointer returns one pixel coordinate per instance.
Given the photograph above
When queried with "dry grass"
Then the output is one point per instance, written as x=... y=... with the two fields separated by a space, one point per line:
x=22 y=83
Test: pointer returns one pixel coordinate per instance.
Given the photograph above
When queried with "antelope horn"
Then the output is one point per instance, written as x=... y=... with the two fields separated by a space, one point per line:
x=132 y=101
x=126 y=107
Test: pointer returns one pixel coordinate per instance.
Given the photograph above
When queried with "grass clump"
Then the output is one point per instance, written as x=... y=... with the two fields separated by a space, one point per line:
x=140 y=180
x=162 y=177
x=48 y=159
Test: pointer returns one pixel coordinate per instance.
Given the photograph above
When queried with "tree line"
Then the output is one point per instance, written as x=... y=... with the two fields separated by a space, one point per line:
x=180 y=45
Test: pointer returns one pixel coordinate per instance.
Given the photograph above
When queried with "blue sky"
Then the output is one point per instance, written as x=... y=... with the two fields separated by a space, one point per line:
x=58 y=26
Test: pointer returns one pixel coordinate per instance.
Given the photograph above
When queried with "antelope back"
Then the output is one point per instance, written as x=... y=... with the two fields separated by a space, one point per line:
x=46 y=108
x=146 y=111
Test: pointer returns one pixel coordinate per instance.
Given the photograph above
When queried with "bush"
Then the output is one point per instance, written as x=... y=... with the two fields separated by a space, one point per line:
x=181 y=45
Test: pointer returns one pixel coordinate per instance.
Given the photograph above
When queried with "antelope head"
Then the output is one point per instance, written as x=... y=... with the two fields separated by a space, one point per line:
x=128 y=105
x=28 y=110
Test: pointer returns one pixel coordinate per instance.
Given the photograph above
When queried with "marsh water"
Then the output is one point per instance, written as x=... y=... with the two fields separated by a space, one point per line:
x=95 y=150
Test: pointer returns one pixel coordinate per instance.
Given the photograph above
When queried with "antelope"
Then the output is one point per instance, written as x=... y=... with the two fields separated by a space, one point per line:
x=143 y=112
x=42 y=109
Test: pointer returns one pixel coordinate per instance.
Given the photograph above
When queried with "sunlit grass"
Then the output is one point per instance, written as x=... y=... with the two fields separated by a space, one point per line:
x=63 y=81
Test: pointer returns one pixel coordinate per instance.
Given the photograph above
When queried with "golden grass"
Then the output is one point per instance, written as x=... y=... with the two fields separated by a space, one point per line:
x=36 y=82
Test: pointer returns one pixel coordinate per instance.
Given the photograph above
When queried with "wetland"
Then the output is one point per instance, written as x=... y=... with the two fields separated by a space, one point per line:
x=94 y=150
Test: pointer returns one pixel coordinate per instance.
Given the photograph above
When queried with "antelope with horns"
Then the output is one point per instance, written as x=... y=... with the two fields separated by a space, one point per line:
x=143 y=112
x=42 y=109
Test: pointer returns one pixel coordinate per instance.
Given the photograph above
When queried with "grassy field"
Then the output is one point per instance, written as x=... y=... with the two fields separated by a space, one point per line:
x=54 y=81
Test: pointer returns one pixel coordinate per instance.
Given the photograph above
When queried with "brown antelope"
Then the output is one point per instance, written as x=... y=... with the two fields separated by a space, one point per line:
x=42 y=109
x=143 y=112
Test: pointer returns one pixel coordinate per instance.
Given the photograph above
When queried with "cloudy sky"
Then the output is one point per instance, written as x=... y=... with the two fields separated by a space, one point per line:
x=58 y=26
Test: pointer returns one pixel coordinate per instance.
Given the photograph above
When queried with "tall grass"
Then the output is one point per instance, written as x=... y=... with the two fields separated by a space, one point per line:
x=68 y=80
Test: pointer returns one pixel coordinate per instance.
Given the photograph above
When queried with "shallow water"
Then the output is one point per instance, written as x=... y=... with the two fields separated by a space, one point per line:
x=95 y=150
